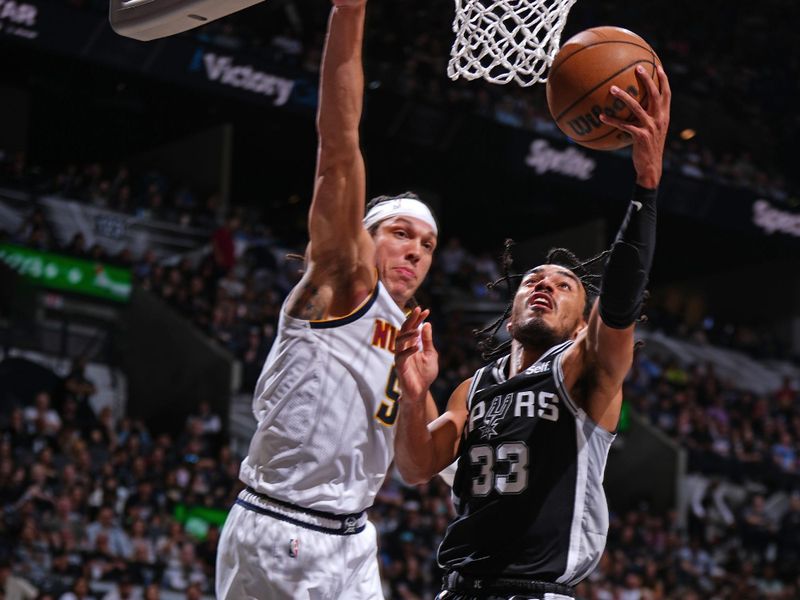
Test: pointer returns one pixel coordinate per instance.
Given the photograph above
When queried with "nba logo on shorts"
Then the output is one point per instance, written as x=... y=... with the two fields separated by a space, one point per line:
x=294 y=548
x=350 y=525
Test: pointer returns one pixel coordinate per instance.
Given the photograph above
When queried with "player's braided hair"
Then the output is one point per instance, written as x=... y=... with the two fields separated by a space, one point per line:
x=584 y=270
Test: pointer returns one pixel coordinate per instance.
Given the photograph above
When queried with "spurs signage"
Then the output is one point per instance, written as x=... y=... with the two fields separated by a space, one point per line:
x=773 y=220
x=18 y=19
x=570 y=162
x=223 y=70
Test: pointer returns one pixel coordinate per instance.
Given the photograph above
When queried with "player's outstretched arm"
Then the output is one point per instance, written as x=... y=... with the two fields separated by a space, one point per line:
x=423 y=449
x=340 y=270
x=604 y=352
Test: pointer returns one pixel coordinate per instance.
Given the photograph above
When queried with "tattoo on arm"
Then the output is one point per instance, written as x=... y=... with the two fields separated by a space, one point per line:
x=308 y=304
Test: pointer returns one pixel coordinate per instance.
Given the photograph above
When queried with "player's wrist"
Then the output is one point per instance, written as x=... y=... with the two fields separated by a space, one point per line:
x=648 y=178
x=413 y=400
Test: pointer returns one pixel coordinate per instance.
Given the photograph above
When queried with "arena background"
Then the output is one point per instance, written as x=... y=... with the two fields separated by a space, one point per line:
x=149 y=194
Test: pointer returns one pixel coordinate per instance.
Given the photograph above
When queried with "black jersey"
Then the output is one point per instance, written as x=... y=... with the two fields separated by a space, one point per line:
x=528 y=488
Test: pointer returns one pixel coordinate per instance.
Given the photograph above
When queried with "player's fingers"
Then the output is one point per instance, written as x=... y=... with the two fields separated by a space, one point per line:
x=421 y=315
x=404 y=354
x=663 y=80
x=415 y=320
x=427 y=337
x=647 y=82
x=631 y=102
x=411 y=320
x=405 y=340
x=626 y=126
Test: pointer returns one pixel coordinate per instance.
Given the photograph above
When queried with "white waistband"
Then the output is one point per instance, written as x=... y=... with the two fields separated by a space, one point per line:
x=345 y=524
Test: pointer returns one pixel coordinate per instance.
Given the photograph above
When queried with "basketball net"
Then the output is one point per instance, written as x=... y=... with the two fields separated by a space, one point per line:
x=506 y=40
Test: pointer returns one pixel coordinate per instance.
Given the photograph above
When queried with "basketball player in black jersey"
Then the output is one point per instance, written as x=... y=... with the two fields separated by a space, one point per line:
x=532 y=430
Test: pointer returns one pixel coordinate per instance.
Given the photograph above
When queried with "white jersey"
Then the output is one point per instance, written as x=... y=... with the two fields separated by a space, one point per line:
x=326 y=404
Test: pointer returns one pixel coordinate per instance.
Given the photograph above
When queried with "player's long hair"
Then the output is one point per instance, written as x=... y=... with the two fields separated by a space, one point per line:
x=585 y=270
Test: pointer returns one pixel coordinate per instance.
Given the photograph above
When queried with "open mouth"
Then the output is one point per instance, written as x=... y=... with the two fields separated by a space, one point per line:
x=541 y=301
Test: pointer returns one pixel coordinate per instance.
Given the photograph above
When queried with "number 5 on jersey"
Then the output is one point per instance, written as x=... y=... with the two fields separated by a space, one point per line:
x=387 y=412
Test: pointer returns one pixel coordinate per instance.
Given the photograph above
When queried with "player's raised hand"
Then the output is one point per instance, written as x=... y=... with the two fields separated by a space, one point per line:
x=649 y=129
x=416 y=360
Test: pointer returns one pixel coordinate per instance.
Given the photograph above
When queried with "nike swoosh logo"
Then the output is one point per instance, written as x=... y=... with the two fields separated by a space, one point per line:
x=638 y=205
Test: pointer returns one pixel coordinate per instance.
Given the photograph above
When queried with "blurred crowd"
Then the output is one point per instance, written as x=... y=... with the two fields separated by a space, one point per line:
x=91 y=508
x=728 y=431
x=146 y=194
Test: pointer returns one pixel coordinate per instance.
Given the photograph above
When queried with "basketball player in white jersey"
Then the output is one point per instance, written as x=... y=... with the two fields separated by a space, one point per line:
x=326 y=399
x=532 y=430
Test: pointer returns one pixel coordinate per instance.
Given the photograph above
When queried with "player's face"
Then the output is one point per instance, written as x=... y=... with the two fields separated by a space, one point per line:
x=403 y=253
x=548 y=307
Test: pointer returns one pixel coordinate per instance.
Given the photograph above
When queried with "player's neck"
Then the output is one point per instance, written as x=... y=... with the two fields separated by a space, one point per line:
x=522 y=357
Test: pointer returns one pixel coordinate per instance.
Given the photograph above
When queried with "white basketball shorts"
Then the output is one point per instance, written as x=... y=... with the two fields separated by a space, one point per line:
x=265 y=554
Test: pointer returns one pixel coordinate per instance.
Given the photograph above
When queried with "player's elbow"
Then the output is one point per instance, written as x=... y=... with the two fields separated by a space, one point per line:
x=415 y=479
x=411 y=473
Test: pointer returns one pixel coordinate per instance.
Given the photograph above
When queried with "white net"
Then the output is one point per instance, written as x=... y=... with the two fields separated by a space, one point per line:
x=506 y=40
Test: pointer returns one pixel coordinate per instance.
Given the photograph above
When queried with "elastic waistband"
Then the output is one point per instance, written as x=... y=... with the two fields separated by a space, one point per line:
x=315 y=520
x=455 y=582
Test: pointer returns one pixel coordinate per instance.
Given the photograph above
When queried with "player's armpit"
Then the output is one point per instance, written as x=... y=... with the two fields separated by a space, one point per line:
x=309 y=300
x=595 y=368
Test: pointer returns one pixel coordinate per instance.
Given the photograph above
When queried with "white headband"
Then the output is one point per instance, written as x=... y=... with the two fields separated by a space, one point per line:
x=405 y=207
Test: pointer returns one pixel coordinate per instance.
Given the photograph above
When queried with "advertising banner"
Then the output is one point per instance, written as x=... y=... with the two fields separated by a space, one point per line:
x=69 y=274
x=174 y=59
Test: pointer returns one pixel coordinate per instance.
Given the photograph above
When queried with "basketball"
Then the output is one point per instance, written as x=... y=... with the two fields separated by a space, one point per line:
x=580 y=79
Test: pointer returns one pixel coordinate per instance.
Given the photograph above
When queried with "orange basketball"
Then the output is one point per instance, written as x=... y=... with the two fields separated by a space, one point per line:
x=580 y=79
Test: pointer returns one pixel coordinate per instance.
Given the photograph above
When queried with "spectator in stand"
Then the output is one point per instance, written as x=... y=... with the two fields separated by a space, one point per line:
x=79 y=591
x=758 y=526
x=152 y=592
x=124 y=590
x=183 y=571
x=210 y=423
x=452 y=257
x=105 y=528
x=62 y=573
x=14 y=587
x=36 y=231
x=77 y=246
x=79 y=388
x=41 y=418
x=222 y=244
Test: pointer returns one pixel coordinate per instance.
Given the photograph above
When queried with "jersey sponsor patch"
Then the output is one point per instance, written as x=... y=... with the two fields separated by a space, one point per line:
x=539 y=367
